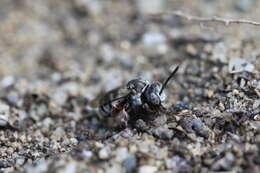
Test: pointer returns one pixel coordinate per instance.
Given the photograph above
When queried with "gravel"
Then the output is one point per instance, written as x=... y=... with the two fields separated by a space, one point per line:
x=59 y=57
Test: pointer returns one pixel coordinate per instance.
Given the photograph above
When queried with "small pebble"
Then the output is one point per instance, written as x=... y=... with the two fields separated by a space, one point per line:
x=58 y=134
x=147 y=169
x=237 y=65
x=4 y=108
x=150 y=6
x=7 y=81
x=71 y=167
x=20 y=161
x=244 y=5
x=153 y=38
x=104 y=153
x=130 y=163
x=3 y=120
x=177 y=164
x=225 y=163
x=163 y=133
x=121 y=154
x=115 y=168
x=87 y=154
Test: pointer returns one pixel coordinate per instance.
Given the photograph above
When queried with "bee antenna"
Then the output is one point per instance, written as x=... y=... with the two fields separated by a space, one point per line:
x=167 y=80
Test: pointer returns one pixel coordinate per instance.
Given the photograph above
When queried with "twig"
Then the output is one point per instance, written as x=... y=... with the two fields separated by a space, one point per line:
x=206 y=19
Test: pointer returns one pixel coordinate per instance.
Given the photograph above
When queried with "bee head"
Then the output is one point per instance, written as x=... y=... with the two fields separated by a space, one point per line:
x=137 y=85
x=152 y=95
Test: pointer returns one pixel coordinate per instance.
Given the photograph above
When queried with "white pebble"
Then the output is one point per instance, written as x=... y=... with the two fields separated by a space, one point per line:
x=3 y=120
x=237 y=65
x=153 y=38
x=70 y=168
x=7 y=81
x=147 y=169
x=104 y=153
x=4 y=108
x=150 y=6
x=121 y=154
x=87 y=154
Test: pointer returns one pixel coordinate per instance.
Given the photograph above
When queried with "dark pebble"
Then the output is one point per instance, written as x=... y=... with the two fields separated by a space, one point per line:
x=163 y=133
x=130 y=163
x=4 y=164
x=198 y=127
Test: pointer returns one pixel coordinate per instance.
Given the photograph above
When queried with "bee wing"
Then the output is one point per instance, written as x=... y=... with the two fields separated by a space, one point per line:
x=112 y=95
x=102 y=97
x=96 y=101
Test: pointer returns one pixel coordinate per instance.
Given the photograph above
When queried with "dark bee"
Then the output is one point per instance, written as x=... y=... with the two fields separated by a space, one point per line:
x=139 y=98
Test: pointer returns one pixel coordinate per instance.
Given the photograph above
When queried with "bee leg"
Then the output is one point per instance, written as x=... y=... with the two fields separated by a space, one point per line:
x=122 y=118
x=125 y=117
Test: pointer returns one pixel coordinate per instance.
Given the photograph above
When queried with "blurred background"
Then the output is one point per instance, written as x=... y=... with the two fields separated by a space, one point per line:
x=97 y=36
x=108 y=42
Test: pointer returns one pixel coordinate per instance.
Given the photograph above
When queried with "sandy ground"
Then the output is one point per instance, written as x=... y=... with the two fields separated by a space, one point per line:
x=56 y=56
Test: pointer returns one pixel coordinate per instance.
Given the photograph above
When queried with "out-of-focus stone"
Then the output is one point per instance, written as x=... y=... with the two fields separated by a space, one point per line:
x=130 y=163
x=224 y=163
x=104 y=153
x=244 y=5
x=153 y=38
x=58 y=134
x=93 y=7
x=3 y=120
x=163 y=133
x=177 y=164
x=237 y=65
x=220 y=53
x=71 y=167
x=115 y=168
x=147 y=169
x=150 y=6
x=121 y=154
x=4 y=114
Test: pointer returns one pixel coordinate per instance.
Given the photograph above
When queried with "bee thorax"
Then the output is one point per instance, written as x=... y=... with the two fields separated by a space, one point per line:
x=136 y=100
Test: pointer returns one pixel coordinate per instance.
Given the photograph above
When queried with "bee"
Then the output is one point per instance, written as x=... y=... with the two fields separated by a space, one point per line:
x=138 y=99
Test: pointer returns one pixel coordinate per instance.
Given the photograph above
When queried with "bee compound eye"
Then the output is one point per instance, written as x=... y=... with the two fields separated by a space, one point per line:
x=154 y=99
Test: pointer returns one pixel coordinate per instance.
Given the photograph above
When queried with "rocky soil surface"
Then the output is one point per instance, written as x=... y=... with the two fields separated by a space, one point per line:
x=57 y=55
